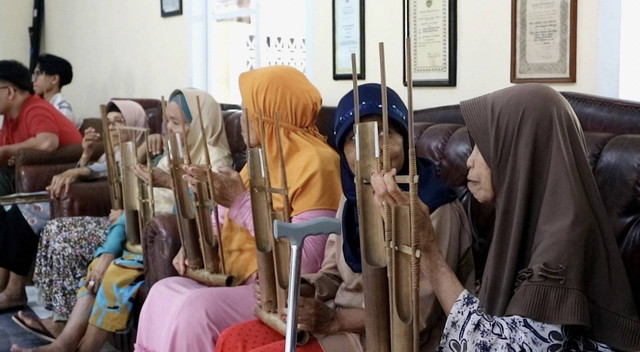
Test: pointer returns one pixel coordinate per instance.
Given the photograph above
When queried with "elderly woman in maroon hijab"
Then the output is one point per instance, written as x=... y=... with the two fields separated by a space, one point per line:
x=554 y=278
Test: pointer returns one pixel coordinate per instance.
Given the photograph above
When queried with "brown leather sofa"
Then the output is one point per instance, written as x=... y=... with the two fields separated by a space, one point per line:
x=612 y=132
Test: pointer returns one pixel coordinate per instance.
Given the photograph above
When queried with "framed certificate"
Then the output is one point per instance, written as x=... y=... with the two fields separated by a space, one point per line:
x=431 y=24
x=543 y=41
x=170 y=8
x=348 y=37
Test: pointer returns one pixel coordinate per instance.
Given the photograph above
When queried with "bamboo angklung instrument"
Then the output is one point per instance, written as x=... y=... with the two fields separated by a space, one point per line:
x=138 y=197
x=211 y=272
x=273 y=255
x=372 y=237
x=404 y=259
x=115 y=187
x=186 y=217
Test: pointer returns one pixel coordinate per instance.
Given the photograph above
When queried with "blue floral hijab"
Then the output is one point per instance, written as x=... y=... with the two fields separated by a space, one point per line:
x=431 y=190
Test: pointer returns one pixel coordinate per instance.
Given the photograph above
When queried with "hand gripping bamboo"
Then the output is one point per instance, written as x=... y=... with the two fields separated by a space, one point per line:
x=372 y=241
x=115 y=187
x=295 y=235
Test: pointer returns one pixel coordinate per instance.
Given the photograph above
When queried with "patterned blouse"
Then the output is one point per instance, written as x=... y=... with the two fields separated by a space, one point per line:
x=469 y=329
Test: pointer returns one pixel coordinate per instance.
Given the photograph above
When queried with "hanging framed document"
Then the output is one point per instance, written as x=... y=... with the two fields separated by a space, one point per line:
x=348 y=37
x=431 y=24
x=170 y=8
x=543 y=41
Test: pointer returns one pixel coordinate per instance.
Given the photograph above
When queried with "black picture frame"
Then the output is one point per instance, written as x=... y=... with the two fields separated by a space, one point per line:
x=341 y=57
x=451 y=36
x=170 y=8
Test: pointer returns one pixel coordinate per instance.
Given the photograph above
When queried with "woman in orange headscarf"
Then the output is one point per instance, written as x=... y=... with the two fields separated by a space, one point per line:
x=183 y=315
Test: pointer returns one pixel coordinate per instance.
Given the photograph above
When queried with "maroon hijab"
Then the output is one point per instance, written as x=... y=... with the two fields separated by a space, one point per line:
x=553 y=257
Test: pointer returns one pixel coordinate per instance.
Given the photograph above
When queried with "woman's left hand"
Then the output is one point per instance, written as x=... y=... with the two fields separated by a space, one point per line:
x=315 y=316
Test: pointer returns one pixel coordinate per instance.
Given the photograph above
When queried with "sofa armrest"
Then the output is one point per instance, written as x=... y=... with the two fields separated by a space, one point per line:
x=161 y=242
x=62 y=155
x=35 y=178
x=89 y=198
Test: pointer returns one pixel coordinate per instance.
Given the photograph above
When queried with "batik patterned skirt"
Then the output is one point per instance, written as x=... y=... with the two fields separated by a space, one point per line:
x=469 y=329
x=66 y=248
x=114 y=301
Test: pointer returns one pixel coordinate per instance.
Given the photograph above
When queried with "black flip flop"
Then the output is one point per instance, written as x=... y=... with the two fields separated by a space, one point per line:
x=41 y=332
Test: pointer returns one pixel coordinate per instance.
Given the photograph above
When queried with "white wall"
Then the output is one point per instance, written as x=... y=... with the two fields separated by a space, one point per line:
x=15 y=19
x=484 y=51
x=630 y=50
x=123 y=48
x=118 y=48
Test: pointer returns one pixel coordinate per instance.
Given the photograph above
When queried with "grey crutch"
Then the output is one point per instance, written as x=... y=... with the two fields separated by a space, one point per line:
x=296 y=234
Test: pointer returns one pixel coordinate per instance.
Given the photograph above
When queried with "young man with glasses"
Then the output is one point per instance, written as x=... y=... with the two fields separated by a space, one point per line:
x=29 y=121
x=50 y=75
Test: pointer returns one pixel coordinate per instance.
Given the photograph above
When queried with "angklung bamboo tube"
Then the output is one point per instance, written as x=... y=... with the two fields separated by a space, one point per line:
x=138 y=196
x=372 y=240
x=404 y=261
x=209 y=272
x=115 y=187
x=186 y=217
x=272 y=255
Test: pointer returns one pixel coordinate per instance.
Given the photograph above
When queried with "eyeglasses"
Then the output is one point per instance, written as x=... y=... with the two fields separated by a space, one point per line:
x=36 y=74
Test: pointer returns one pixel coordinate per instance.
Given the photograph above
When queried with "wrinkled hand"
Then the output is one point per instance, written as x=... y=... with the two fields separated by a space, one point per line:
x=155 y=143
x=180 y=262
x=114 y=215
x=386 y=190
x=97 y=274
x=60 y=183
x=89 y=141
x=227 y=184
x=315 y=316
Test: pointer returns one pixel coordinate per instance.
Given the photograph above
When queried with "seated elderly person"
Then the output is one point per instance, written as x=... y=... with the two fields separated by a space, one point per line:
x=554 y=278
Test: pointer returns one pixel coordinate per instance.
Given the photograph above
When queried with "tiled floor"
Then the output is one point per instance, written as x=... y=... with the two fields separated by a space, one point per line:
x=11 y=333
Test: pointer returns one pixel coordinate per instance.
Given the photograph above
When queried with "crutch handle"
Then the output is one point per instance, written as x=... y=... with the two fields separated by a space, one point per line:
x=296 y=233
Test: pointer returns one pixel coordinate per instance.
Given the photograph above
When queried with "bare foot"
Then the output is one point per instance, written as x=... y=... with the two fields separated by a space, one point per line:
x=54 y=327
x=9 y=301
